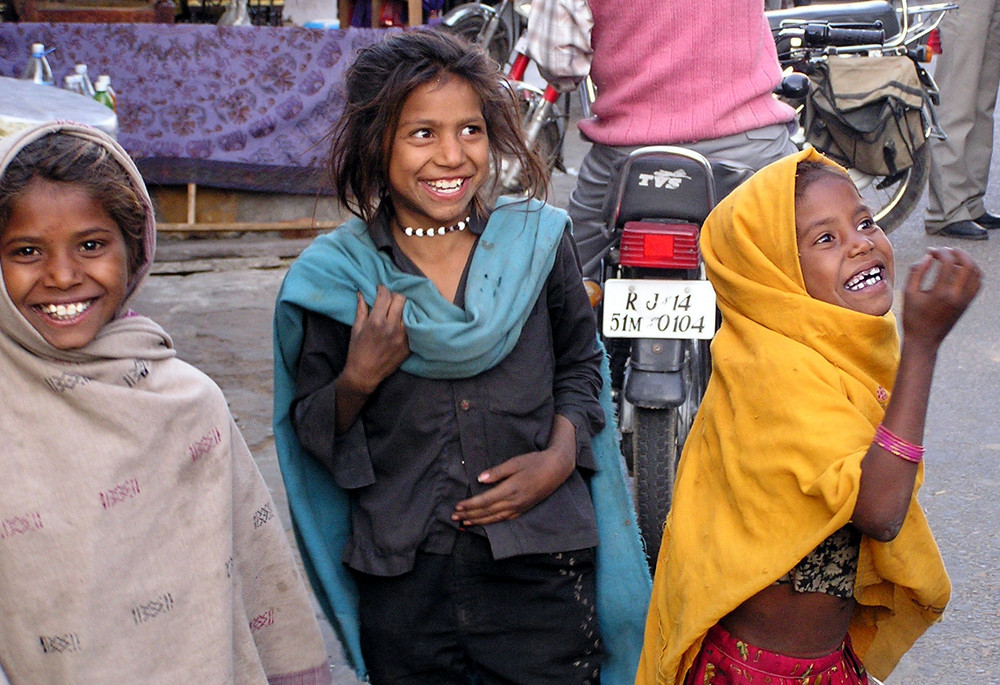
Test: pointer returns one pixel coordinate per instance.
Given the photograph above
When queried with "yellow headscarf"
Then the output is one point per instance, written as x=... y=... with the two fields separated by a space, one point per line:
x=772 y=465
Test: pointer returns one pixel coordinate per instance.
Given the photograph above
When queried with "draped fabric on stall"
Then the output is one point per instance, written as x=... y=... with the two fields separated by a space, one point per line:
x=240 y=107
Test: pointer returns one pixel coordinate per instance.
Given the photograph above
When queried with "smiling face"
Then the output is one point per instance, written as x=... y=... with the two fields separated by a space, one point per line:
x=64 y=262
x=440 y=154
x=845 y=257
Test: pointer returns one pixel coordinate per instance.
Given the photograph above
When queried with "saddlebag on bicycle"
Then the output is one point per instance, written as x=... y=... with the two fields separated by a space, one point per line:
x=865 y=112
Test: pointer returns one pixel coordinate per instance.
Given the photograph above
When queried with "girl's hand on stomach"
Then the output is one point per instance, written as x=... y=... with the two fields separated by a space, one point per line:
x=522 y=481
x=939 y=289
x=378 y=341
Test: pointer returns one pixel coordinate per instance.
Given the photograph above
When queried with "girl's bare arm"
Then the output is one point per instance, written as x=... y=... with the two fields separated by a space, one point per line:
x=929 y=313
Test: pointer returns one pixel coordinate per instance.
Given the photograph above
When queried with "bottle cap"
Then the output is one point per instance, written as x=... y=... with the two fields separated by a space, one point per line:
x=80 y=69
x=37 y=48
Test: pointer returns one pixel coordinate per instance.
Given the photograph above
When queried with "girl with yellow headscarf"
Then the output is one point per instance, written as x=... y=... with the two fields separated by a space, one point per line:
x=795 y=550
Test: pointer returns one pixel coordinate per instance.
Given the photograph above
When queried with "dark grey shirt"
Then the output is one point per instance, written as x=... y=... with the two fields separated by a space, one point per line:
x=419 y=443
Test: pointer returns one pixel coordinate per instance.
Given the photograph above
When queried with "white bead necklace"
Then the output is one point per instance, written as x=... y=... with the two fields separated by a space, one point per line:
x=428 y=232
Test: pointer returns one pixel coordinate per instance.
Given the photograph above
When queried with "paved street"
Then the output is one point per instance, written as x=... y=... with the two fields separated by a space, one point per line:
x=216 y=297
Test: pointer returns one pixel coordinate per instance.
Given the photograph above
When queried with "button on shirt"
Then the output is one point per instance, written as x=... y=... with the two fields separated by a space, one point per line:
x=419 y=444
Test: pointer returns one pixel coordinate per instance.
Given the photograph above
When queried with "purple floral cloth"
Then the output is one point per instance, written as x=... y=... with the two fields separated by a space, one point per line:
x=243 y=107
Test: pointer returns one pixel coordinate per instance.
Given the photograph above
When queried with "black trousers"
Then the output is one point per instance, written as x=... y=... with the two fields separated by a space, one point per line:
x=466 y=618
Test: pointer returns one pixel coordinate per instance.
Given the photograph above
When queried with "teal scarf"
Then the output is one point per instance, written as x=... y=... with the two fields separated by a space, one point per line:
x=510 y=266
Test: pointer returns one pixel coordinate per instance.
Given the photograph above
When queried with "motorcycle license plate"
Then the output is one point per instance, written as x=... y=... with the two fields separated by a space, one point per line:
x=658 y=309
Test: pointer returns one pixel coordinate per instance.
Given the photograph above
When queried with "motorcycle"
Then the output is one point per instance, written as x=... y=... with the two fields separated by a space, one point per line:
x=495 y=28
x=657 y=310
x=545 y=115
x=658 y=313
x=544 y=112
x=817 y=42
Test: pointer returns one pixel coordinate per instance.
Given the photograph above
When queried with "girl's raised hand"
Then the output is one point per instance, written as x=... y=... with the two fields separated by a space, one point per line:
x=378 y=341
x=939 y=289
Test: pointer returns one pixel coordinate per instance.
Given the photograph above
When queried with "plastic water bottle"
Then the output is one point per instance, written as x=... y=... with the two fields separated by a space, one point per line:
x=88 y=87
x=74 y=83
x=106 y=80
x=38 y=69
x=101 y=93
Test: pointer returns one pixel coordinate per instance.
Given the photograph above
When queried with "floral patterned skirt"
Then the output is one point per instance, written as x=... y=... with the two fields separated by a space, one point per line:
x=725 y=660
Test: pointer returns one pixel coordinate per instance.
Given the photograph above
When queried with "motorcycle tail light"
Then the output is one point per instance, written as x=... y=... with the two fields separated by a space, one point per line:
x=662 y=246
x=934 y=43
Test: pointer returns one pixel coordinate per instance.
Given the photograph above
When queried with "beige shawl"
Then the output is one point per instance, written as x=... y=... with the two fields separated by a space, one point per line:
x=138 y=541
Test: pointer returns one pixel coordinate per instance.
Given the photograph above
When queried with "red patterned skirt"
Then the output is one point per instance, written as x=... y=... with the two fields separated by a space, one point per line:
x=725 y=660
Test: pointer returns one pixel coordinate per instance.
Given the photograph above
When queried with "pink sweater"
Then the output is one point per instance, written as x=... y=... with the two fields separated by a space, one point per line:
x=678 y=71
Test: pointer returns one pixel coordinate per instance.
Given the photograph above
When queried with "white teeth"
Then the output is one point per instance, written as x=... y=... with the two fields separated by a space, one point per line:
x=864 y=279
x=64 y=311
x=446 y=186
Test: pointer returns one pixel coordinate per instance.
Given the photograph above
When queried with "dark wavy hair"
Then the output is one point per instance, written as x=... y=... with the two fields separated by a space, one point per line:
x=378 y=83
x=66 y=158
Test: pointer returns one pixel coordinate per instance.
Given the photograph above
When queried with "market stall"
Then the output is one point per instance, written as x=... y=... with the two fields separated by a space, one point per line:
x=239 y=107
x=23 y=104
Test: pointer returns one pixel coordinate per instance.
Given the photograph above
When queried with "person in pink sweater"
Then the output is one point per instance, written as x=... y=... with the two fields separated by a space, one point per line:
x=698 y=75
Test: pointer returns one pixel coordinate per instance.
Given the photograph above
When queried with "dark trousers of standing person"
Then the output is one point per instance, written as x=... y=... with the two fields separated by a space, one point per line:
x=528 y=619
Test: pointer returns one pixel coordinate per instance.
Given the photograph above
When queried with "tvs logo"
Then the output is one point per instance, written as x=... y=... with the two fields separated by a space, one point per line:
x=670 y=180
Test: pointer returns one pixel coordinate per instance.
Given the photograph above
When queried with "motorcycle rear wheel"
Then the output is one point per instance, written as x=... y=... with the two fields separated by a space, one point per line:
x=892 y=199
x=657 y=439
x=655 y=452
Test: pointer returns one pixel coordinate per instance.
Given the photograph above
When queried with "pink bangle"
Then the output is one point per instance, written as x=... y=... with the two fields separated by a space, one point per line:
x=891 y=442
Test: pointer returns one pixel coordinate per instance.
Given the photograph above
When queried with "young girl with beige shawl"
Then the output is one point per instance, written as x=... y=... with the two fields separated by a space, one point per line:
x=806 y=447
x=138 y=541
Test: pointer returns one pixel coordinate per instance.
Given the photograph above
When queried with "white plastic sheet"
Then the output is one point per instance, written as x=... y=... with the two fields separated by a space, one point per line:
x=23 y=103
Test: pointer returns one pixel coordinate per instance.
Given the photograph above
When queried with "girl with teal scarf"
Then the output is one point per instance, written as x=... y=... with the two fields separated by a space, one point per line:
x=439 y=399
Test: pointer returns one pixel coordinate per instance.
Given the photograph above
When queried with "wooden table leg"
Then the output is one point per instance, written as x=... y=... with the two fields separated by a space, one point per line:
x=416 y=10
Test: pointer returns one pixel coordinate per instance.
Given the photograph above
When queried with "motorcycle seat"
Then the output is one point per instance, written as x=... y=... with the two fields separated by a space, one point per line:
x=865 y=12
x=656 y=184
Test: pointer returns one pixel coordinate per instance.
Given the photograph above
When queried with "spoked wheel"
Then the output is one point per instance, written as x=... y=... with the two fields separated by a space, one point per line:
x=547 y=146
x=468 y=27
x=893 y=198
x=657 y=440
x=548 y=141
